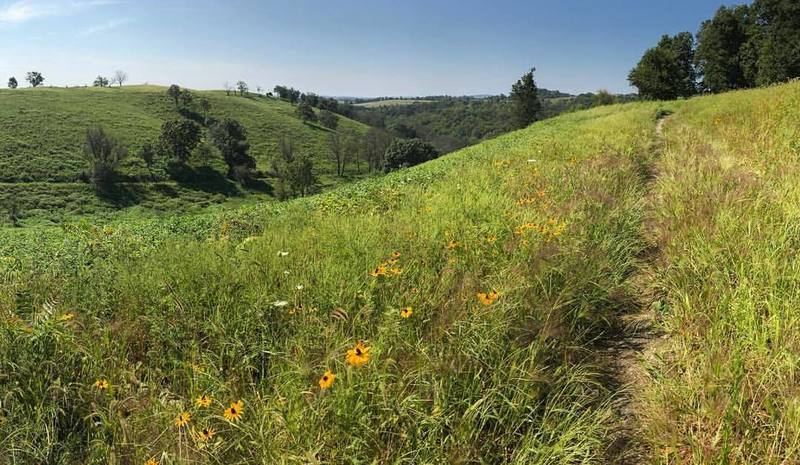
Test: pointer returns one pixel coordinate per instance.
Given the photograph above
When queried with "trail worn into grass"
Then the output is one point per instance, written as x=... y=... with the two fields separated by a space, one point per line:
x=623 y=354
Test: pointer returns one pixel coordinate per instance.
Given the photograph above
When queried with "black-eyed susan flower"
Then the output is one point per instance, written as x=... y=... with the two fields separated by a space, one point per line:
x=358 y=356
x=234 y=412
x=182 y=419
x=203 y=401
x=396 y=270
x=395 y=255
x=327 y=379
x=491 y=239
x=452 y=245
x=487 y=298
x=406 y=312
x=380 y=270
x=101 y=385
x=66 y=316
x=205 y=434
x=151 y=461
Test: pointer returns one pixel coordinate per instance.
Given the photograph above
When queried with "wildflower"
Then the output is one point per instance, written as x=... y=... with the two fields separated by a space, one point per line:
x=182 y=419
x=380 y=270
x=283 y=254
x=299 y=287
x=406 y=312
x=280 y=303
x=487 y=298
x=66 y=317
x=452 y=245
x=540 y=194
x=396 y=270
x=491 y=239
x=101 y=384
x=203 y=401
x=234 y=412
x=205 y=434
x=358 y=356
x=151 y=461
x=395 y=255
x=327 y=379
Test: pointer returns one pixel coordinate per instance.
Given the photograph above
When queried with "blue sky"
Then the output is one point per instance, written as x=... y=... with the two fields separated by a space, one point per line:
x=342 y=47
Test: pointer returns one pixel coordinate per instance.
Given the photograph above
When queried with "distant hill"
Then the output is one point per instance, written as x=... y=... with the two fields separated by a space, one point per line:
x=41 y=147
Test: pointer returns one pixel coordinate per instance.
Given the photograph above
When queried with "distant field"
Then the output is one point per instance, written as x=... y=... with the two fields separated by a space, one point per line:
x=391 y=103
x=44 y=130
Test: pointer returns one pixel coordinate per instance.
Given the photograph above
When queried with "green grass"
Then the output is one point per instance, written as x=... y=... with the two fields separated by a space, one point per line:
x=42 y=147
x=565 y=220
x=169 y=310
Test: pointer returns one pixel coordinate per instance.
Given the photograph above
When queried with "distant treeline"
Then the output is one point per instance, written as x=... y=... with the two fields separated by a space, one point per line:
x=740 y=47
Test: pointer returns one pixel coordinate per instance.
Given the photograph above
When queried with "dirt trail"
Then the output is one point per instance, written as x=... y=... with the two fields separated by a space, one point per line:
x=624 y=355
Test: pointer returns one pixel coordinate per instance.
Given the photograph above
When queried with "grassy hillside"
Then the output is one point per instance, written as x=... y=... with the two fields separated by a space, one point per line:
x=44 y=131
x=478 y=285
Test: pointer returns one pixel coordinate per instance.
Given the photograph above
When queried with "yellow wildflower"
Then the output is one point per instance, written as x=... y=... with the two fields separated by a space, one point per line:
x=205 y=434
x=358 y=356
x=487 y=298
x=151 y=461
x=327 y=379
x=234 y=412
x=182 y=419
x=66 y=317
x=203 y=401
x=406 y=312
x=452 y=245
x=379 y=271
x=101 y=384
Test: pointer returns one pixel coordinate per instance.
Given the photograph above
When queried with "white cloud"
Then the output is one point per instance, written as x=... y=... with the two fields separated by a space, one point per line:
x=25 y=10
x=100 y=28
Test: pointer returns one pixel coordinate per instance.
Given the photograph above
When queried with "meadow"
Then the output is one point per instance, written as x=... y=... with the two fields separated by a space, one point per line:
x=42 y=150
x=447 y=313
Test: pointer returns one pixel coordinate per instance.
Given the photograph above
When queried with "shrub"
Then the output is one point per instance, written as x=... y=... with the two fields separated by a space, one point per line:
x=103 y=155
x=403 y=153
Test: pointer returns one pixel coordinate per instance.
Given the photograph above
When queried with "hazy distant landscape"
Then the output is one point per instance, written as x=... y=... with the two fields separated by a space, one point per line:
x=239 y=273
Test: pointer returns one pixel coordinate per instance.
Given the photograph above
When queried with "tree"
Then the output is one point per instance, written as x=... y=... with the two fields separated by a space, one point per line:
x=604 y=97
x=525 y=99
x=35 y=78
x=148 y=155
x=776 y=40
x=328 y=119
x=228 y=88
x=205 y=105
x=103 y=155
x=119 y=77
x=667 y=71
x=305 y=112
x=403 y=153
x=374 y=145
x=100 y=81
x=12 y=82
x=720 y=55
x=295 y=173
x=337 y=150
x=178 y=138
x=174 y=92
x=205 y=152
x=352 y=147
x=242 y=86
x=186 y=98
x=230 y=137
x=282 y=92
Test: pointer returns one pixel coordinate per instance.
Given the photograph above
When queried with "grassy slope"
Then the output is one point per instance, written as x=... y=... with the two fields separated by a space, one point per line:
x=165 y=317
x=725 y=212
x=44 y=131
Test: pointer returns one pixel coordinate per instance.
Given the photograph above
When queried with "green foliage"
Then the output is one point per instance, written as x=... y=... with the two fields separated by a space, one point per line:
x=178 y=138
x=242 y=87
x=525 y=100
x=604 y=97
x=666 y=71
x=720 y=55
x=776 y=40
x=403 y=153
x=12 y=82
x=305 y=112
x=103 y=156
x=328 y=119
x=174 y=92
x=100 y=81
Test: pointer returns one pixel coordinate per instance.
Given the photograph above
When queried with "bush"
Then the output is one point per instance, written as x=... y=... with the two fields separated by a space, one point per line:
x=403 y=153
x=103 y=155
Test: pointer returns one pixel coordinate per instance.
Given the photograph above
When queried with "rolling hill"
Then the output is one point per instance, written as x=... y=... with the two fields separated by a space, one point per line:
x=41 y=147
x=460 y=311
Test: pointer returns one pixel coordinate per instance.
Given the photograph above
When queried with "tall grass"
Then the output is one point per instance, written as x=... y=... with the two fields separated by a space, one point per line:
x=725 y=214
x=549 y=217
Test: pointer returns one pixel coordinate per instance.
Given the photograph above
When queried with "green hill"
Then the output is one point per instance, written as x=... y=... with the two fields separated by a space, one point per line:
x=485 y=287
x=41 y=147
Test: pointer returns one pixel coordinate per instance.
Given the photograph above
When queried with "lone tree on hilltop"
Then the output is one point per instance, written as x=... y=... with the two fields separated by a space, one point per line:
x=525 y=98
x=35 y=78
x=100 y=81
x=119 y=77
x=103 y=155
x=242 y=86
x=12 y=82
x=174 y=93
x=230 y=137
x=178 y=138
x=667 y=71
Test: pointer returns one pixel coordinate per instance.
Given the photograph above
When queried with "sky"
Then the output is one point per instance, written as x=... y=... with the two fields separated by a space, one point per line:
x=342 y=47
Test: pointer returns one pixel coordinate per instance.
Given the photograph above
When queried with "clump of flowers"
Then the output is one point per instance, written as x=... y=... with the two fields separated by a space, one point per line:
x=234 y=412
x=358 y=356
x=406 y=312
x=182 y=420
x=487 y=298
x=327 y=379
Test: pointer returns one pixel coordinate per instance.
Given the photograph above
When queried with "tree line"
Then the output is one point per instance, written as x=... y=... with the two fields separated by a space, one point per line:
x=741 y=47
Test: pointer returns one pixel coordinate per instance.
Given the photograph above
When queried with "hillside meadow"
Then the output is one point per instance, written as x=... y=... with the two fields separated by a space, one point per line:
x=41 y=150
x=447 y=313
